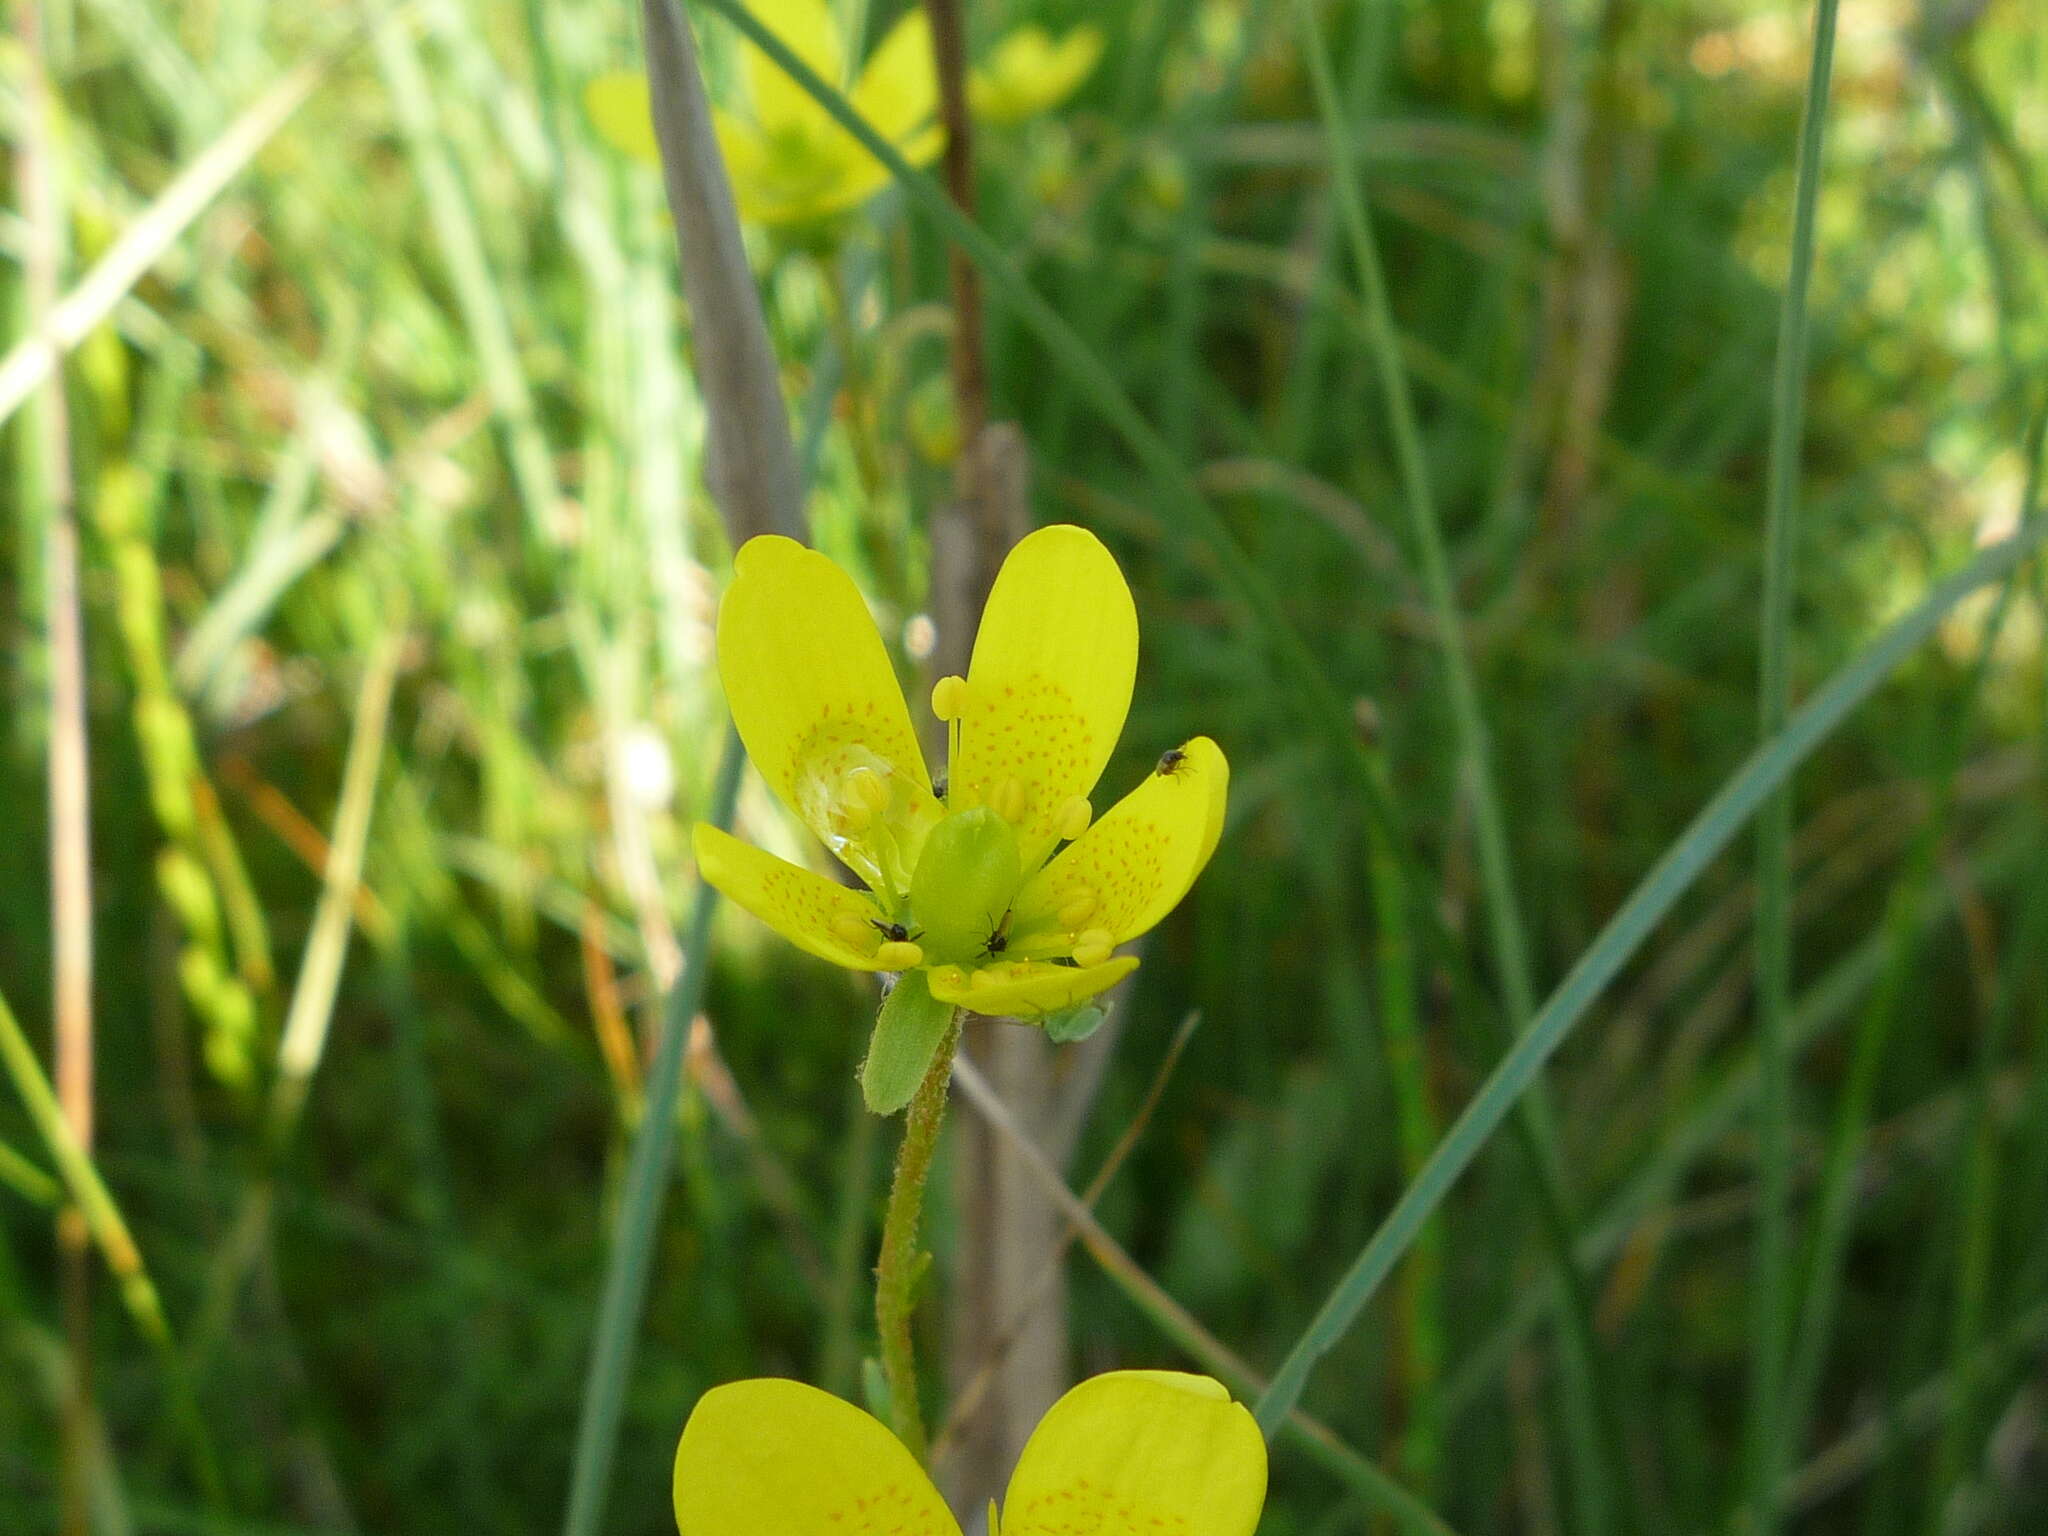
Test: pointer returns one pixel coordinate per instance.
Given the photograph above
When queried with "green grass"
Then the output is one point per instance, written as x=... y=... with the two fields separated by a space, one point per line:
x=1768 y=1329
x=1418 y=366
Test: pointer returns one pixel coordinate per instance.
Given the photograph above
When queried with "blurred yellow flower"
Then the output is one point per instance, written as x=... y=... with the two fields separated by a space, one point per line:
x=1029 y=72
x=965 y=893
x=791 y=162
x=1152 y=1451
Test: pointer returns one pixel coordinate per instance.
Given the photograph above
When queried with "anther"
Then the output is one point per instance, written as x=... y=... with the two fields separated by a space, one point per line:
x=900 y=956
x=854 y=814
x=1093 y=947
x=1073 y=818
x=985 y=978
x=852 y=928
x=1011 y=800
x=1078 y=910
x=870 y=787
x=949 y=697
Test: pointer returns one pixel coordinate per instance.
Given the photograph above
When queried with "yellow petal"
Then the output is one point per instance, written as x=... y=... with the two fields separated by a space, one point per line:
x=1051 y=679
x=1027 y=73
x=809 y=30
x=1201 y=1386
x=618 y=109
x=776 y=181
x=796 y=903
x=752 y=167
x=1135 y=1453
x=746 y=155
x=778 y=1458
x=923 y=147
x=1137 y=862
x=811 y=689
x=1028 y=989
x=845 y=178
x=898 y=91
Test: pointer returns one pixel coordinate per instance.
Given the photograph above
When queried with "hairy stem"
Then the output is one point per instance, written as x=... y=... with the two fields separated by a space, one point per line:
x=901 y=1264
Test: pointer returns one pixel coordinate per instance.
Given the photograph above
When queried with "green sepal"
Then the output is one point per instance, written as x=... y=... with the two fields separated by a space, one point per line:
x=907 y=1035
x=1075 y=1023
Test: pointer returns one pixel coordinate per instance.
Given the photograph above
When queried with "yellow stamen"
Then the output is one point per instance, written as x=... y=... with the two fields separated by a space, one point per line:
x=949 y=697
x=1074 y=817
x=854 y=930
x=985 y=978
x=1093 y=947
x=854 y=815
x=1078 y=910
x=899 y=955
x=1011 y=801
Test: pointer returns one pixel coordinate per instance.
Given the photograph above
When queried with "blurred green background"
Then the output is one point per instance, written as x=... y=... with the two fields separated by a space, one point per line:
x=408 y=407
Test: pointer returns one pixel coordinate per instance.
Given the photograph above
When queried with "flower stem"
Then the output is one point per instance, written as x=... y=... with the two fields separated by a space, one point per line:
x=901 y=1265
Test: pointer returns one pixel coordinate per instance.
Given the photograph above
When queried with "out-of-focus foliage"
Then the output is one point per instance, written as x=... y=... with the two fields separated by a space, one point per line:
x=425 y=366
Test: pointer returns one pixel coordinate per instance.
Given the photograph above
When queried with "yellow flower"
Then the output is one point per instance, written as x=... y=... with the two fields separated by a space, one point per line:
x=1129 y=1452
x=791 y=163
x=970 y=892
x=1029 y=72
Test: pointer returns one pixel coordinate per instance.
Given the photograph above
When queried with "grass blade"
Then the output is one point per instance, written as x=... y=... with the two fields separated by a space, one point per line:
x=26 y=1179
x=1708 y=1123
x=51 y=501
x=144 y=242
x=110 y=1233
x=312 y=1006
x=625 y=1285
x=480 y=295
x=1590 y=1419
x=1768 y=1322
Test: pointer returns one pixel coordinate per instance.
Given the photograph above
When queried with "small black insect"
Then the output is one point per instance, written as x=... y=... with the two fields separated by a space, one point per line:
x=997 y=940
x=1169 y=762
x=895 y=933
x=939 y=787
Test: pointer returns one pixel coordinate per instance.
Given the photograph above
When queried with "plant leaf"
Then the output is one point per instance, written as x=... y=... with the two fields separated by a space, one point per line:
x=907 y=1034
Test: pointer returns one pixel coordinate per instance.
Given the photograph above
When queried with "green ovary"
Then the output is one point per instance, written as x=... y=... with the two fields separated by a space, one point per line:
x=966 y=877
